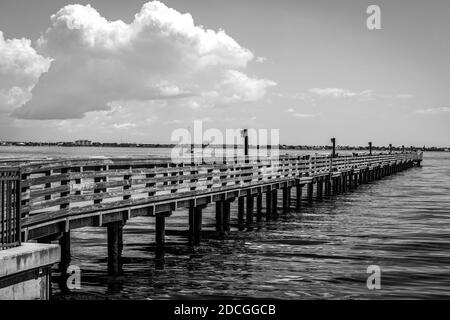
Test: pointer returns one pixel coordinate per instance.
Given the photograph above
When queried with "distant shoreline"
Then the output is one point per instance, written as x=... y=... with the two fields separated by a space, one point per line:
x=240 y=146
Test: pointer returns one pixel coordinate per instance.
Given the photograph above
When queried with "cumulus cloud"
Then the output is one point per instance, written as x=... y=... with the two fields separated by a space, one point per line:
x=338 y=93
x=434 y=110
x=20 y=69
x=160 y=55
x=304 y=115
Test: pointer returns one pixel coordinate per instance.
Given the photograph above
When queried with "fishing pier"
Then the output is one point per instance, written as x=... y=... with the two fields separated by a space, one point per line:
x=42 y=201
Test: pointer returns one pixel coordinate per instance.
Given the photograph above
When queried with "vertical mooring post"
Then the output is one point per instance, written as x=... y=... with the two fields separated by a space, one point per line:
x=64 y=242
x=245 y=134
x=115 y=235
x=390 y=148
x=370 y=148
x=160 y=230
x=403 y=149
x=333 y=153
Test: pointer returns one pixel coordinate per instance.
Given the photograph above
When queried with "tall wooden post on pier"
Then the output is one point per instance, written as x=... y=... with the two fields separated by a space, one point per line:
x=245 y=135
x=370 y=148
x=403 y=149
x=390 y=148
x=333 y=153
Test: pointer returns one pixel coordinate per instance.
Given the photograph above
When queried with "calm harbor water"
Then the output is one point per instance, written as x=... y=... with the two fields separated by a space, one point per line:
x=400 y=223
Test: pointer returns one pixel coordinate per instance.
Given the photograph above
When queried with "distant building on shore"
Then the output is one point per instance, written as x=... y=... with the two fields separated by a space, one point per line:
x=83 y=143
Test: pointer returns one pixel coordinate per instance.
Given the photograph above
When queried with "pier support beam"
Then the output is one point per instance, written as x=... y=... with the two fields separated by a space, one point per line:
x=195 y=224
x=285 y=199
x=160 y=230
x=115 y=245
x=350 y=180
x=274 y=201
x=328 y=186
x=241 y=212
x=223 y=216
x=64 y=243
x=269 y=204
x=226 y=216
x=298 y=198
x=219 y=216
x=319 y=194
x=259 y=200
x=249 y=216
x=310 y=192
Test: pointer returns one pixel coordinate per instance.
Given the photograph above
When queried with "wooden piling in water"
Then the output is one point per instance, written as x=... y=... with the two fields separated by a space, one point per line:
x=64 y=242
x=241 y=209
x=220 y=216
x=298 y=197
x=310 y=192
x=115 y=243
x=226 y=215
x=160 y=230
x=249 y=216
x=269 y=204
x=285 y=199
x=274 y=201
x=195 y=225
x=319 y=192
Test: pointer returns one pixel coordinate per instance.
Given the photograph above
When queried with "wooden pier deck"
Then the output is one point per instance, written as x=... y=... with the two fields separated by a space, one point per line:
x=61 y=195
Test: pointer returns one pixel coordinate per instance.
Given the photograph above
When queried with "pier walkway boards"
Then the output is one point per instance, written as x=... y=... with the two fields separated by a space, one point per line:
x=57 y=196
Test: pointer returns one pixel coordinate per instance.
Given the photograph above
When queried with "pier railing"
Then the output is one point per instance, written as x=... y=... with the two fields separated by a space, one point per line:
x=10 y=215
x=54 y=190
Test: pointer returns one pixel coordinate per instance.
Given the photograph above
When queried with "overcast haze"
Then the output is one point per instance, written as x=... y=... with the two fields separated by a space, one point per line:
x=135 y=71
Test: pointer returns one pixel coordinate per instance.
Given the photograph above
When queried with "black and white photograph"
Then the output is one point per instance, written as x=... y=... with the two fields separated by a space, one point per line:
x=186 y=151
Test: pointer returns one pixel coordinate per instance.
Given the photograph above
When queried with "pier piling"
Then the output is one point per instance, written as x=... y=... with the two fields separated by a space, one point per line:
x=115 y=244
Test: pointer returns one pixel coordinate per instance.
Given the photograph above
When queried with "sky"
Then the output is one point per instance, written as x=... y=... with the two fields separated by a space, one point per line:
x=135 y=71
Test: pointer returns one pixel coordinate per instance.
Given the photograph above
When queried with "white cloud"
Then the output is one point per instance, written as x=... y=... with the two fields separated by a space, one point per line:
x=338 y=93
x=20 y=69
x=237 y=86
x=434 y=110
x=160 y=55
x=125 y=125
x=290 y=110
x=304 y=115
x=405 y=96
x=261 y=59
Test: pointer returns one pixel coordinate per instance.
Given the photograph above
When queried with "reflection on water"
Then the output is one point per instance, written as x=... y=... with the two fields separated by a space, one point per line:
x=400 y=223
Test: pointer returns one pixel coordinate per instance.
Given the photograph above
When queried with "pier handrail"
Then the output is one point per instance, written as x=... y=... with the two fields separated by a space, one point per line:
x=58 y=189
x=10 y=215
